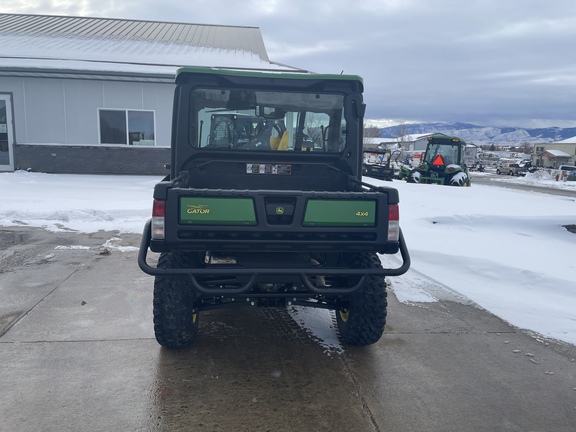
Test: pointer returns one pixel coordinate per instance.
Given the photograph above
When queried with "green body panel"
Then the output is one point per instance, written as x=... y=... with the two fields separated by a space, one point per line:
x=441 y=177
x=437 y=180
x=340 y=213
x=217 y=211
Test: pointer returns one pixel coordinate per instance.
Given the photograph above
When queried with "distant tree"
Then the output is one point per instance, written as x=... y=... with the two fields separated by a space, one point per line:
x=370 y=132
x=526 y=148
x=401 y=132
x=492 y=147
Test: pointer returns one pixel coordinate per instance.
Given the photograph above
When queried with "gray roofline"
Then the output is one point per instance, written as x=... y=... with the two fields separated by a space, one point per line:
x=291 y=68
x=87 y=75
x=89 y=61
x=70 y=73
x=288 y=67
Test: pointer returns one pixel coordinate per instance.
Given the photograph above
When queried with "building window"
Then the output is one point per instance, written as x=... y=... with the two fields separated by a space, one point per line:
x=127 y=127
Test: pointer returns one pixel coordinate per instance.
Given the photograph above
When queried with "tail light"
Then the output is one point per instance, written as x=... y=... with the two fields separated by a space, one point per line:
x=393 y=222
x=158 y=210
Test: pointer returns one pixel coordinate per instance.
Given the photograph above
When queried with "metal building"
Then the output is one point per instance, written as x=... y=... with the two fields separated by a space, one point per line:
x=94 y=95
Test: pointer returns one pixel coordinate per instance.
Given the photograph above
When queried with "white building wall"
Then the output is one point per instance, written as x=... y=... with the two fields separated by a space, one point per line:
x=45 y=111
x=82 y=98
x=65 y=111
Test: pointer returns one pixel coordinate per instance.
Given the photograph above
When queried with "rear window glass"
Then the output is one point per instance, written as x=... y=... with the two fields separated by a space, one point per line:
x=248 y=120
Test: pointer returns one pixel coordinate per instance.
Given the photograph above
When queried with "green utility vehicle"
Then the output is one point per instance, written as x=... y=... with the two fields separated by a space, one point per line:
x=265 y=205
x=445 y=162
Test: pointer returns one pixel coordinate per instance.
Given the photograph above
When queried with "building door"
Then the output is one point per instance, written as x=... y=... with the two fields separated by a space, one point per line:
x=6 y=134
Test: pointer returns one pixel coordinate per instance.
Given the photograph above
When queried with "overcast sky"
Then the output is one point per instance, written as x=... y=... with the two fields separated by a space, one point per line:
x=487 y=62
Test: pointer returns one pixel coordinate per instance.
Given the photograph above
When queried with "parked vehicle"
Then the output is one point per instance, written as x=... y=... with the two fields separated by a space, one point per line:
x=526 y=167
x=508 y=168
x=403 y=172
x=570 y=172
x=514 y=167
x=377 y=164
x=445 y=162
x=271 y=218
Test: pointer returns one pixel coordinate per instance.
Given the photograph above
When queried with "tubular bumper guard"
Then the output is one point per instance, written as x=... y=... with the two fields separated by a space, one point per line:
x=304 y=273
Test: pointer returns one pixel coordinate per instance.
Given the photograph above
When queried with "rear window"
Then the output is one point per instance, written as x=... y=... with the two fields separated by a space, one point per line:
x=254 y=120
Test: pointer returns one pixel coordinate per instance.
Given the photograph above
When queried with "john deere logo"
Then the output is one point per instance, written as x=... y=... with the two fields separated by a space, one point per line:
x=279 y=210
x=198 y=209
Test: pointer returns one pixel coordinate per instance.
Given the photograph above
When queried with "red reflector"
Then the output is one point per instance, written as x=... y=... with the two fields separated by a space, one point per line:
x=422 y=166
x=438 y=161
x=158 y=208
x=451 y=169
x=393 y=212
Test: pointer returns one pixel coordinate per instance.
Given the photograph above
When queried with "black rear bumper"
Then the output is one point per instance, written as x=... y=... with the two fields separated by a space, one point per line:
x=254 y=272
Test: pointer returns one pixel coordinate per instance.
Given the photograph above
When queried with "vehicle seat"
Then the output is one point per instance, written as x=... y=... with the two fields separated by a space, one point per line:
x=279 y=143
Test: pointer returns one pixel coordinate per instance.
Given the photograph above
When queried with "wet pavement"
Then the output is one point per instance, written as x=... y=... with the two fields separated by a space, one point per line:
x=77 y=353
x=505 y=181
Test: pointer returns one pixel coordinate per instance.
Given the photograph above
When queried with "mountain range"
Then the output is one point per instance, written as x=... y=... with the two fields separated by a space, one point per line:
x=483 y=135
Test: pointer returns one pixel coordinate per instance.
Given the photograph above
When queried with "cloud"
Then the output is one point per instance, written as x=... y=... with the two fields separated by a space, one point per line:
x=429 y=60
x=50 y=7
x=284 y=52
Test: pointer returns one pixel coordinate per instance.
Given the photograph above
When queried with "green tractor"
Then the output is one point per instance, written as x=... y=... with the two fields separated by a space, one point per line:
x=445 y=162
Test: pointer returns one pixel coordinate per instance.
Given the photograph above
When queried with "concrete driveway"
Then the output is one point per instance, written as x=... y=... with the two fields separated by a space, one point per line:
x=77 y=353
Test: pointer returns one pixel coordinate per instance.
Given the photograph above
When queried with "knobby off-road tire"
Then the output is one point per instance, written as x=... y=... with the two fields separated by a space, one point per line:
x=175 y=322
x=363 y=321
x=460 y=179
x=413 y=177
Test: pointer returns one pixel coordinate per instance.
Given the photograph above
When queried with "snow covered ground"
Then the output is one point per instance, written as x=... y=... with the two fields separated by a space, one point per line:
x=502 y=249
x=506 y=250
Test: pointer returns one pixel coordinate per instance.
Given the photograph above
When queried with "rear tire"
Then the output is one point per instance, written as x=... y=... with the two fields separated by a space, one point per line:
x=362 y=321
x=413 y=177
x=459 y=179
x=175 y=317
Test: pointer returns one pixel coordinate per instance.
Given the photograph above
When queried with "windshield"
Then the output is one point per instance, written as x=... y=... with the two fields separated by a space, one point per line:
x=449 y=153
x=246 y=120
